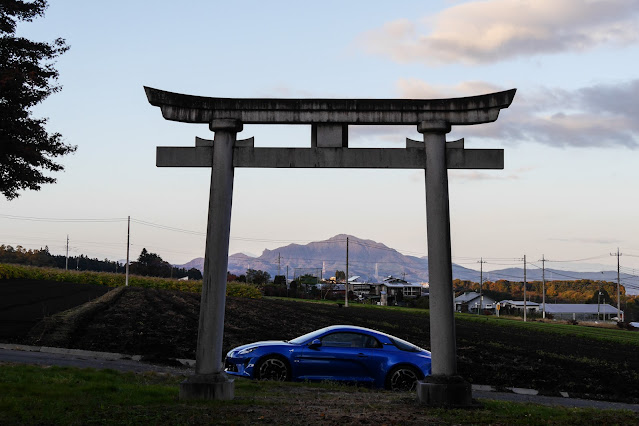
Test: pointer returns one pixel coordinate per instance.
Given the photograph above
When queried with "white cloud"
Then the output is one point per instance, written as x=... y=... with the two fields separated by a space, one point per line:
x=495 y=30
x=474 y=175
x=603 y=115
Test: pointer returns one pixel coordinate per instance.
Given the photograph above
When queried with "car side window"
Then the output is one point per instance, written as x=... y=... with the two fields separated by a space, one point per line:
x=350 y=340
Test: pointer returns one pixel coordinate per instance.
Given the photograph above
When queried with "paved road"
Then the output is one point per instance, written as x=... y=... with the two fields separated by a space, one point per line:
x=555 y=400
x=83 y=359
x=101 y=360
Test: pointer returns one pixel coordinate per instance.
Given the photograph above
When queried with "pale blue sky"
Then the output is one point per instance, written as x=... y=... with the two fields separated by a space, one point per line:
x=570 y=137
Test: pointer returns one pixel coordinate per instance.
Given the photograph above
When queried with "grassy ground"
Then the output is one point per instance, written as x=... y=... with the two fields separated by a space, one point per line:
x=587 y=330
x=55 y=395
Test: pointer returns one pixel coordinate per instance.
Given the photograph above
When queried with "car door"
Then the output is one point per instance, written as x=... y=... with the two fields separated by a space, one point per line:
x=341 y=356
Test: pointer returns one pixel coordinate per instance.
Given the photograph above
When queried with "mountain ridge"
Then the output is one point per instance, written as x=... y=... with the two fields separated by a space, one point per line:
x=366 y=257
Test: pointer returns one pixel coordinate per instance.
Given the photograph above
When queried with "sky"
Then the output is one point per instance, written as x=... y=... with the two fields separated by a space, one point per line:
x=571 y=135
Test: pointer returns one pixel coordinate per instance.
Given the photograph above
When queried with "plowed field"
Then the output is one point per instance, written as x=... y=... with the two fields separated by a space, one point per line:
x=163 y=325
x=23 y=303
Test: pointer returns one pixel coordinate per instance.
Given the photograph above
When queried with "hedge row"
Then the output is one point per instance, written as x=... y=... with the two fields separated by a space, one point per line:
x=110 y=279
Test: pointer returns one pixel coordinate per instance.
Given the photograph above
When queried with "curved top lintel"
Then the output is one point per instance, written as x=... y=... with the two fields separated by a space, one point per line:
x=199 y=109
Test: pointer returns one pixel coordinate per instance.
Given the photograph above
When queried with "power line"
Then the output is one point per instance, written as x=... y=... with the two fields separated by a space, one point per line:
x=52 y=219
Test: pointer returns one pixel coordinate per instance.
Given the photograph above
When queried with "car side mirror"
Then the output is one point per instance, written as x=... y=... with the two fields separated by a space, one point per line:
x=316 y=343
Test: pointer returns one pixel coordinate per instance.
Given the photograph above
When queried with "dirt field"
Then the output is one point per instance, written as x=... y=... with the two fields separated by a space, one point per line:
x=163 y=325
x=23 y=303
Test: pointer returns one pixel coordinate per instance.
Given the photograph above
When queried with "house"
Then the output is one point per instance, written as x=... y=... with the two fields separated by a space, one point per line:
x=581 y=312
x=360 y=287
x=470 y=301
x=516 y=307
x=392 y=290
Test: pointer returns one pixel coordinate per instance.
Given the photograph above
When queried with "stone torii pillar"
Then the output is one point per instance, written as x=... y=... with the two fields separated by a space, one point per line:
x=210 y=381
x=329 y=120
x=443 y=387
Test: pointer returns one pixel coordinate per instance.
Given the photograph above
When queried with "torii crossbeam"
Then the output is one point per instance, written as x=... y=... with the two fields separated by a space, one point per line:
x=330 y=120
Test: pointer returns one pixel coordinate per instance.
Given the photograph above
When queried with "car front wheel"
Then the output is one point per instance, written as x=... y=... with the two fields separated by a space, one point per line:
x=403 y=379
x=273 y=368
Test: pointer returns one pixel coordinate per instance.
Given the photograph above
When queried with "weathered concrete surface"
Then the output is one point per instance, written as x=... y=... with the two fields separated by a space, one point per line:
x=451 y=393
x=210 y=381
x=360 y=158
x=442 y=320
x=209 y=387
x=455 y=111
x=329 y=135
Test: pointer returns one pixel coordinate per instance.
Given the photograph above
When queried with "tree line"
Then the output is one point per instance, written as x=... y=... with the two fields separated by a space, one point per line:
x=579 y=291
x=148 y=264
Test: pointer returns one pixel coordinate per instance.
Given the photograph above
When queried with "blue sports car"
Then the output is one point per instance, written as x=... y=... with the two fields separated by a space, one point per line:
x=338 y=353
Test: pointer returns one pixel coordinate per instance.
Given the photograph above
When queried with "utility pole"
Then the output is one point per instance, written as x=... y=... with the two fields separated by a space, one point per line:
x=286 y=280
x=598 y=302
x=481 y=281
x=128 y=243
x=66 y=263
x=279 y=260
x=618 y=284
x=543 y=286
x=525 y=307
x=346 y=283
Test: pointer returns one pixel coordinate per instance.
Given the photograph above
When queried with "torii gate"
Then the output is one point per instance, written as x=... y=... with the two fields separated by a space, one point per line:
x=329 y=120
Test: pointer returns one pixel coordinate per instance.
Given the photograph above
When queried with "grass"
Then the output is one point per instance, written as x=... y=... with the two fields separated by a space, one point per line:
x=597 y=333
x=60 y=395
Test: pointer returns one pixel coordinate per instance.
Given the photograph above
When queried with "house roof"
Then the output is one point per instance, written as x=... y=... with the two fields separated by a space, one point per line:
x=392 y=279
x=577 y=308
x=471 y=296
x=520 y=303
x=466 y=297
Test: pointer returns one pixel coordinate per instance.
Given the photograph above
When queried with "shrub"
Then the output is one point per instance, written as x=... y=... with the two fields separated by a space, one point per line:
x=419 y=303
x=237 y=289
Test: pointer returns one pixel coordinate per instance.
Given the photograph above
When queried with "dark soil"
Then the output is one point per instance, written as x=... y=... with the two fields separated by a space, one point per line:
x=23 y=303
x=162 y=325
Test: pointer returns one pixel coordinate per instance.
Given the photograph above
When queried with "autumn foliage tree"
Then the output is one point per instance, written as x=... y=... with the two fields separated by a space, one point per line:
x=27 y=77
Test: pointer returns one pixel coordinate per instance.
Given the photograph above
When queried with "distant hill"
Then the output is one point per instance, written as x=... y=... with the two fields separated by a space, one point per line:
x=368 y=256
x=365 y=258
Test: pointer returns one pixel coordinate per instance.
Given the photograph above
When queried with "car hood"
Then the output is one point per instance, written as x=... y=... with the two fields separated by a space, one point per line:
x=262 y=344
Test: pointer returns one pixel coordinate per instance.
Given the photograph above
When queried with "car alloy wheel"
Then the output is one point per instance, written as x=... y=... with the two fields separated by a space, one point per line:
x=403 y=379
x=273 y=369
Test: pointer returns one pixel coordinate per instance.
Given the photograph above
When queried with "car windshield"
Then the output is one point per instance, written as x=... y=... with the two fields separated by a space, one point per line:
x=404 y=345
x=309 y=336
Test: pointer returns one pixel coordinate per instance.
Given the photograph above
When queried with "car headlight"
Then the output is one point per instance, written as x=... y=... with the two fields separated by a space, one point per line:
x=246 y=351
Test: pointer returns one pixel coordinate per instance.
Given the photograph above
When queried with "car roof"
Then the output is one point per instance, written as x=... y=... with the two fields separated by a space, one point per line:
x=354 y=328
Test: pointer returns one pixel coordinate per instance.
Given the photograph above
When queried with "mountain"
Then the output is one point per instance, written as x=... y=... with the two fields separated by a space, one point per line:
x=327 y=256
x=368 y=256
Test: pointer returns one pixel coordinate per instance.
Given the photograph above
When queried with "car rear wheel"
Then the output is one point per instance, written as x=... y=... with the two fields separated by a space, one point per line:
x=403 y=378
x=273 y=368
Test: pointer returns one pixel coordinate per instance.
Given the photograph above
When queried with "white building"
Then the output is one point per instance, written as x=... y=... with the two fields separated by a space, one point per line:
x=582 y=312
x=471 y=301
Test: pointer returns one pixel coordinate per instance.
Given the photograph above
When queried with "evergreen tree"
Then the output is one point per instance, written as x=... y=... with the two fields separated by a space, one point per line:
x=27 y=75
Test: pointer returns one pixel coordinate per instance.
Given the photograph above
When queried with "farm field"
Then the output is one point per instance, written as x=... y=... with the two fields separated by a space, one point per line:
x=23 y=303
x=162 y=325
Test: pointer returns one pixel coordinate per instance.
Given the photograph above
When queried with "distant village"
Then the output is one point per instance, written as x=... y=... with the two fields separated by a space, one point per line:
x=398 y=292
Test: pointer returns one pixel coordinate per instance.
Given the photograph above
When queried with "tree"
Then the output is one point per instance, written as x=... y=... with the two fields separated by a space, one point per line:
x=194 y=274
x=257 y=276
x=151 y=264
x=604 y=298
x=26 y=79
x=340 y=275
x=279 y=280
